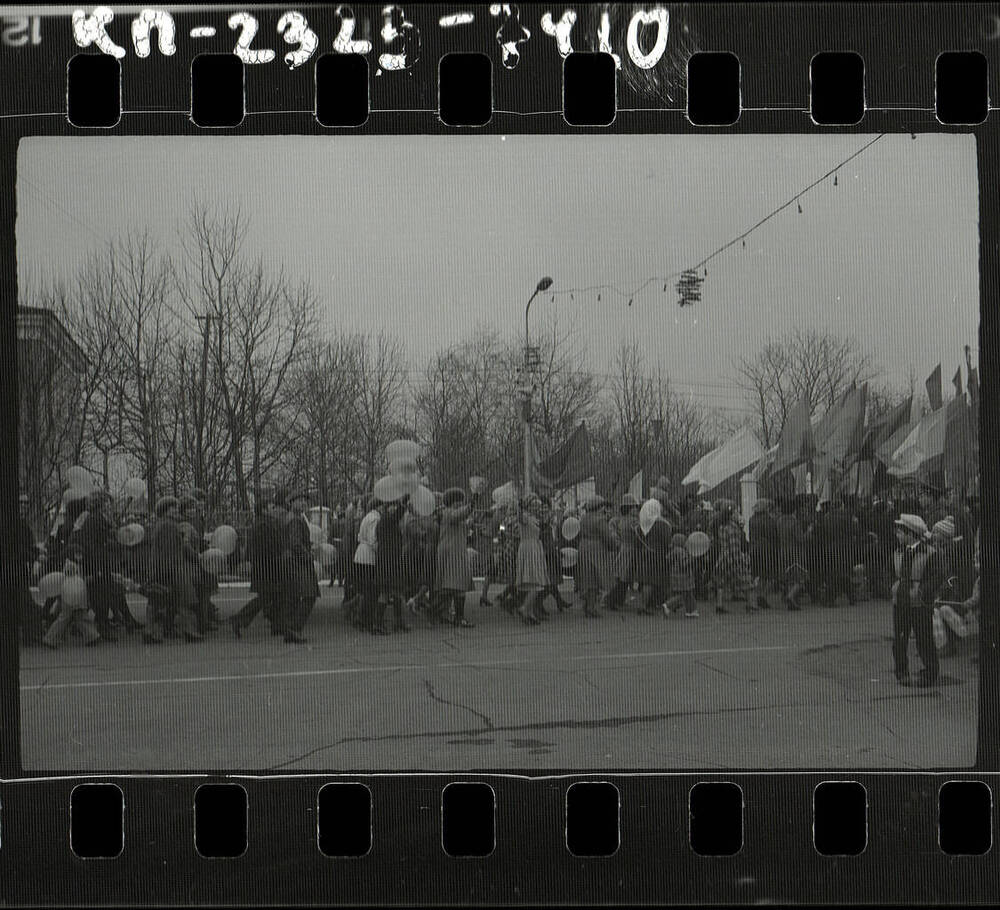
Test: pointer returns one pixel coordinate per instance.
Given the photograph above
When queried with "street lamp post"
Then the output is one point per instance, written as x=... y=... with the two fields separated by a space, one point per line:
x=527 y=388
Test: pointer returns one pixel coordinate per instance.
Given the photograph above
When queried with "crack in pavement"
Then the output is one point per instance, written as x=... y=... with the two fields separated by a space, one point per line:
x=717 y=670
x=455 y=704
x=568 y=724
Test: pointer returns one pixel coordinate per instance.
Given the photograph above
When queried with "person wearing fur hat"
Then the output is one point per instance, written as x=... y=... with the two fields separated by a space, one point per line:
x=919 y=579
x=174 y=567
x=453 y=573
x=553 y=557
x=266 y=583
x=298 y=571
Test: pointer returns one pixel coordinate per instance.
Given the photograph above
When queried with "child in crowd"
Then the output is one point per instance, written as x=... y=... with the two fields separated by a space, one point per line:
x=681 y=578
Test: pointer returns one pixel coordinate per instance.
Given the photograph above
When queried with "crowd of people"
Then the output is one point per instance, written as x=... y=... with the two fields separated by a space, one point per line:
x=398 y=563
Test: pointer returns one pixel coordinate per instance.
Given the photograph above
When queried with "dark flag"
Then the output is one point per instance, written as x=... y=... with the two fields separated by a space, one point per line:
x=883 y=428
x=956 y=381
x=797 y=444
x=933 y=386
x=958 y=462
x=567 y=465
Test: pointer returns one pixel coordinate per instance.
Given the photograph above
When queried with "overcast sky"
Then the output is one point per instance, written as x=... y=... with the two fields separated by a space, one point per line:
x=433 y=236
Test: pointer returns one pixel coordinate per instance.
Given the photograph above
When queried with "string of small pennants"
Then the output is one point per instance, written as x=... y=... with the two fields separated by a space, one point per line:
x=688 y=281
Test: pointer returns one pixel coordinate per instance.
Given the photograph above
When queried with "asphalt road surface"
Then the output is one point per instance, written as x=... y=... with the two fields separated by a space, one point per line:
x=770 y=690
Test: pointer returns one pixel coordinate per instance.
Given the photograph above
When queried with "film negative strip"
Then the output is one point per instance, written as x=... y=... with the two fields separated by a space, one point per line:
x=585 y=343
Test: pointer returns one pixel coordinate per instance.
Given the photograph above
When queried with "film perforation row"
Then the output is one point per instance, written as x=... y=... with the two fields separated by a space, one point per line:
x=223 y=823
x=465 y=89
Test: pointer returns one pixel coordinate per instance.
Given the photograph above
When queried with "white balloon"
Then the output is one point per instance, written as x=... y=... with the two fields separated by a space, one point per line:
x=50 y=585
x=402 y=448
x=74 y=591
x=80 y=478
x=213 y=561
x=316 y=534
x=570 y=556
x=224 y=538
x=571 y=527
x=422 y=501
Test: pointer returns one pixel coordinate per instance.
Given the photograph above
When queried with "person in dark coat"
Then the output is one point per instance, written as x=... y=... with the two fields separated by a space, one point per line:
x=596 y=552
x=266 y=583
x=681 y=578
x=625 y=531
x=174 y=567
x=765 y=547
x=880 y=540
x=651 y=565
x=299 y=569
x=792 y=565
x=345 y=551
x=192 y=506
x=102 y=556
x=390 y=570
x=837 y=559
x=919 y=577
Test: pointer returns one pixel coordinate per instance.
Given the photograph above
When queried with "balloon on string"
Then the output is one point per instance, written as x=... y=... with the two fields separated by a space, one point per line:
x=50 y=585
x=571 y=527
x=422 y=501
x=74 y=591
x=135 y=488
x=316 y=534
x=569 y=556
x=327 y=554
x=73 y=495
x=224 y=538
x=80 y=478
x=131 y=535
x=213 y=561
x=698 y=544
x=505 y=495
x=390 y=489
x=402 y=448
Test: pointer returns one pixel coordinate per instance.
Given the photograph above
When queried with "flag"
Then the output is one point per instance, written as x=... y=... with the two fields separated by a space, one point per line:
x=797 y=444
x=973 y=383
x=956 y=381
x=958 y=461
x=738 y=453
x=933 y=386
x=922 y=449
x=882 y=428
x=569 y=464
x=635 y=487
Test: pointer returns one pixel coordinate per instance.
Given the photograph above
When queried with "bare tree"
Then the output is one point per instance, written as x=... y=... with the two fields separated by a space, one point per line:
x=259 y=323
x=819 y=366
x=378 y=401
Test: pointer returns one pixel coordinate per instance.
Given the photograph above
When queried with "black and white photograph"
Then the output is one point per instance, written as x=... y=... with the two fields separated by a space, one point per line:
x=508 y=452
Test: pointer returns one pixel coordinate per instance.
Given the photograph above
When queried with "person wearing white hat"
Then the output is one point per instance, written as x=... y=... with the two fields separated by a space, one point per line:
x=919 y=578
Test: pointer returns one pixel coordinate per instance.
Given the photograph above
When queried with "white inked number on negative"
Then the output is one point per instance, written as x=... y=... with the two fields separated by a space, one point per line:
x=248 y=30
x=659 y=17
x=163 y=22
x=509 y=42
x=406 y=32
x=88 y=30
x=560 y=30
x=344 y=43
x=604 y=38
x=295 y=30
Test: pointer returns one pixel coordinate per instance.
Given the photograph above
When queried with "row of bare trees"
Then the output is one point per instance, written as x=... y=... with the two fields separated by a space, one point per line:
x=210 y=368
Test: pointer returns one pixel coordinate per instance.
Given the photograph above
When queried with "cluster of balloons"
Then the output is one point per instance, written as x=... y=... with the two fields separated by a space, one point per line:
x=72 y=589
x=404 y=478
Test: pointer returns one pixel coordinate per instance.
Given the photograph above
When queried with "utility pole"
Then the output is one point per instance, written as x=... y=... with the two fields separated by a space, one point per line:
x=527 y=387
x=200 y=463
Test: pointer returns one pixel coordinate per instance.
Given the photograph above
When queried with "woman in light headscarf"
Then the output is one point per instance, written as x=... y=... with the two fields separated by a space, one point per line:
x=652 y=556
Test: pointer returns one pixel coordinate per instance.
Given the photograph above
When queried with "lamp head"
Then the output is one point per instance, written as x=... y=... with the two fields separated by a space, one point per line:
x=544 y=284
